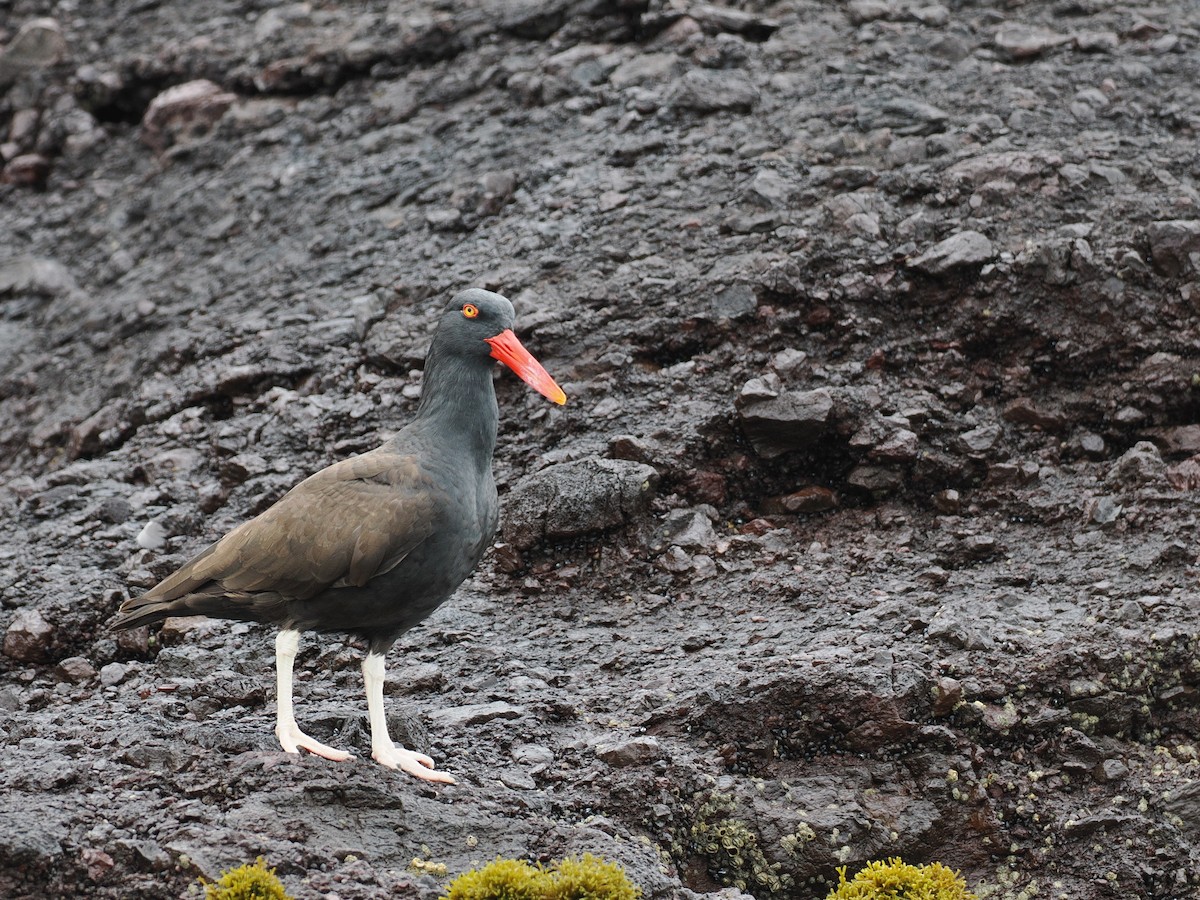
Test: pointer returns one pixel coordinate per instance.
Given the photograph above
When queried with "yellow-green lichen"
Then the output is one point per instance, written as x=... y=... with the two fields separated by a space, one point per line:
x=897 y=880
x=588 y=878
x=253 y=881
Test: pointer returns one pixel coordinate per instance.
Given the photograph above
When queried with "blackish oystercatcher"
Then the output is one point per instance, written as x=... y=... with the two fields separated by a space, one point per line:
x=372 y=545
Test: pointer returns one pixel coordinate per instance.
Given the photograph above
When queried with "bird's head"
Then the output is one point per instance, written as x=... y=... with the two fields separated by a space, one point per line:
x=479 y=323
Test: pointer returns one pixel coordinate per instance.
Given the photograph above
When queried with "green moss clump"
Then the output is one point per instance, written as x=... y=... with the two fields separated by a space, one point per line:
x=501 y=879
x=897 y=880
x=249 y=882
x=589 y=878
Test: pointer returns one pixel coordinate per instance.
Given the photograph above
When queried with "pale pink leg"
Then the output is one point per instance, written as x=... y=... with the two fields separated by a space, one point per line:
x=384 y=751
x=291 y=738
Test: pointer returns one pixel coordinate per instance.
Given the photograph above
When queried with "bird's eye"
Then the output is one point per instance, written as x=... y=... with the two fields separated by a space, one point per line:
x=470 y=310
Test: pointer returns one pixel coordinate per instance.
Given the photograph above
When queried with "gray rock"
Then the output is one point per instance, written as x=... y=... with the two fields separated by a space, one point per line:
x=1105 y=510
x=475 y=714
x=1017 y=166
x=1096 y=41
x=734 y=302
x=30 y=841
x=633 y=752
x=705 y=90
x=517 y=780
x=113 y=673
x=647 y=67
x=772 y=189
x=1092 y=445
x=1175 y=246
x=38 y=44
x=29 y=637
x=445 y=220
x=689 y=528
x=862 y=11
x=1140 y=464
x=961 y=629
x=791 y=421
x=1184 y=802
x=903 y=115
x=577 y=498
x=114 y=510
x=534 y=755
x=768 y=387
x=788 y=361
x=35 y=275
x=1022 y=41
x=981 y=439
x=967 y=248
x=715 y=19
x=935 y=15
x=1110 y=770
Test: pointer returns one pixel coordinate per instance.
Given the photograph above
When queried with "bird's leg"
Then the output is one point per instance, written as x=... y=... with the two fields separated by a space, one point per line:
x=291 y=738
x=384 y=751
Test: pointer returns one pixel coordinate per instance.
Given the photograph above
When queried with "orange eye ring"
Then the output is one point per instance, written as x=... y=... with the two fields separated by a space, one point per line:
x=470 y=310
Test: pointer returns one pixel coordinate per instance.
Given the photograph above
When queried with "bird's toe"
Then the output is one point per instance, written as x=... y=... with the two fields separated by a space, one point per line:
x=416 y=764
x=293 y=740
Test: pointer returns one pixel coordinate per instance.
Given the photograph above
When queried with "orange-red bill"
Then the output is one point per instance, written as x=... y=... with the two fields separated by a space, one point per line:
x=507 y=349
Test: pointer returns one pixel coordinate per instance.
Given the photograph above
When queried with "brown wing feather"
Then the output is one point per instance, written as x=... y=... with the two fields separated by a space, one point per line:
x=341 y=526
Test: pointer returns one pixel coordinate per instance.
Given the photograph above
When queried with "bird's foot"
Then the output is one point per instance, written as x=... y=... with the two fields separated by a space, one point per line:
x=293 y=740
x=409 y=761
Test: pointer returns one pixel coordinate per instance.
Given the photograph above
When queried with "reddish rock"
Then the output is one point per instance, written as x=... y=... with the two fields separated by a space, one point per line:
x=1177 y=440
x=706 y=487
x=633 y=752
x=812 y=499
x=183 y=111
x=29 y=637
x=28 y=170
x=899 y=446
x=1024 y=411
x=758 y=527
x=947 y=694
x=75 y=669
x=948 y=501
x=1185 y=476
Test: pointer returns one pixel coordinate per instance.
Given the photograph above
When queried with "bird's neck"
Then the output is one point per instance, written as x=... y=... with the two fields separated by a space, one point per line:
x=458 y=401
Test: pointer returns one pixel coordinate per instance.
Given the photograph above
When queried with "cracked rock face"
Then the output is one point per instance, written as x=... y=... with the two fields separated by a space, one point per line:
x=575 y=499
x=869 y=528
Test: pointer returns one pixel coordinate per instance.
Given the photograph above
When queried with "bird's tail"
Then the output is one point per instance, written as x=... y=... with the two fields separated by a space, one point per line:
x=147 y=610
x=213 y=601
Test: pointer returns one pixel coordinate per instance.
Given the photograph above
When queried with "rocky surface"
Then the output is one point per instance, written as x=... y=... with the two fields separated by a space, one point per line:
x=897 y=303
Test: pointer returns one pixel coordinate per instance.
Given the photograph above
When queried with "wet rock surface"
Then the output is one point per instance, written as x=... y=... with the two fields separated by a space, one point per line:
x=892 y=307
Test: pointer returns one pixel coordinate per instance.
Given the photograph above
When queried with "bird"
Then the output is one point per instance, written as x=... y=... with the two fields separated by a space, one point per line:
x=371 y=545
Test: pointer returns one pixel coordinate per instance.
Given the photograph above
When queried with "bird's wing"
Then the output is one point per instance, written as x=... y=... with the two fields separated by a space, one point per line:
x=341 y=526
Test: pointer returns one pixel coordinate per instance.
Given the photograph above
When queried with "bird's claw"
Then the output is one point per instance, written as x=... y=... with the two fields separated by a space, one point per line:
x=293 y=740
x=416 y=764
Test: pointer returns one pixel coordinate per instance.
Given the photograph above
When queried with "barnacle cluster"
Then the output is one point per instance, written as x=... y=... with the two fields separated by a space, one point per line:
x=731 y=850
x=588 y=878
x=897 y=880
